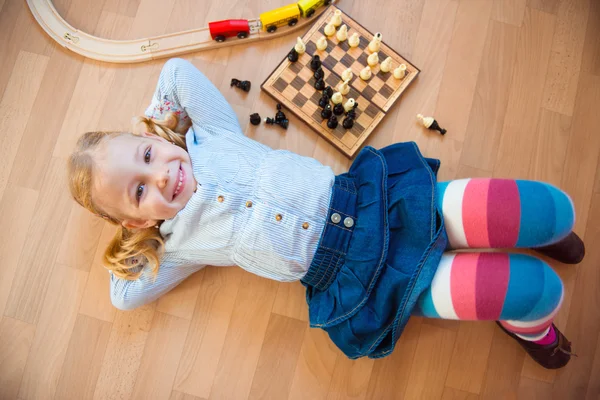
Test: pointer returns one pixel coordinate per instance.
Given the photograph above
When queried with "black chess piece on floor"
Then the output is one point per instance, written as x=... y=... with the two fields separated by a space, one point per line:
x=244 y=85
x=255 y=119
x=279 y=116
x=282 y=123
x=326 y=113
x=332 y=122
x=315 y=63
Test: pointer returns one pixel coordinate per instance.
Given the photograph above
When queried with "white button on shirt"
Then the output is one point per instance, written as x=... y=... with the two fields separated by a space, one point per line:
x=258 y=208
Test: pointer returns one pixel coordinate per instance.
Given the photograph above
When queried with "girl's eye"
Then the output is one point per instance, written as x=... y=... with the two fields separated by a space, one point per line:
x=139 y=192
x=147 y=155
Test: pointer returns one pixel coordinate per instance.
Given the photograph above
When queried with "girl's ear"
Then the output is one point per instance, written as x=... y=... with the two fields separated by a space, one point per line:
x=138 y=224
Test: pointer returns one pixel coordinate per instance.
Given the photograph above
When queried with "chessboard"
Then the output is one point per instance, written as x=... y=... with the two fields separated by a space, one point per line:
x=292 y=83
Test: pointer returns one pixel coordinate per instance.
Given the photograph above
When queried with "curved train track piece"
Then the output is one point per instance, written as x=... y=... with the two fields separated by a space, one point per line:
x=140 y=50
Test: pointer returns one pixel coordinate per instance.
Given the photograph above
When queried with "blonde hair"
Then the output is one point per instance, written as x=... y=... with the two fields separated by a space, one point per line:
x=127 y=246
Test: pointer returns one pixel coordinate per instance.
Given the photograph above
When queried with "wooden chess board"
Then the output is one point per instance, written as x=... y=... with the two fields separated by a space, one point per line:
x=292 y=84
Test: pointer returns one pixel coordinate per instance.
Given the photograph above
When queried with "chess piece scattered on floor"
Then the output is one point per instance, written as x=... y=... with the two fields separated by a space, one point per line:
x=320 y=84
x=322 y=43
x=329 y=29
x=255 y=119
x=300 y=47
x=280 y=116
x=342 y=33
x=347 y=74
x=375 y=44
x=244 y=85
x=336 y=19
x=336 y=98
x=400 y=72
x=386 y=65
x=373 y=59
x=344 y=88
x=349 y=105
x=326 y=112
x=319 y=73
x=354 y=40
x=283 y=123
x=365 y=73
x=292 y=55
x=332 y=122
x=430 y=123
x=338 y=109
x=315 y=63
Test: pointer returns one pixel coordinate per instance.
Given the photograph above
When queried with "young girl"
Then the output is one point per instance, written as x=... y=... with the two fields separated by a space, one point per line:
x=369 y=245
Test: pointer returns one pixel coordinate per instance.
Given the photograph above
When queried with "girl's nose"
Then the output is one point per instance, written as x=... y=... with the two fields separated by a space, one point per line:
x=162 y=179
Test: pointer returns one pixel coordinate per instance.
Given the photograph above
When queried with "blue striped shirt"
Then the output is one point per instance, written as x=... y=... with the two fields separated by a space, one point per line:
x=258 y=208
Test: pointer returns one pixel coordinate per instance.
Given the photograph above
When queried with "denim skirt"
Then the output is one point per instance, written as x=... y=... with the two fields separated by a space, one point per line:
x=379 y=250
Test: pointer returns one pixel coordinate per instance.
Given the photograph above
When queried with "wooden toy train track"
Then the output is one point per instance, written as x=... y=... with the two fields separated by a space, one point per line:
x=140 y=50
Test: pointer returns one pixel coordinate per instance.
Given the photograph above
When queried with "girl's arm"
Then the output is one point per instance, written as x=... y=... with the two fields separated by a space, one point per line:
x=182 y=87
x=127 y=295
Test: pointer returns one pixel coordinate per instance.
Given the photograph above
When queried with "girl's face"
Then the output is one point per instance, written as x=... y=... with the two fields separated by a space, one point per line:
x=142 y=179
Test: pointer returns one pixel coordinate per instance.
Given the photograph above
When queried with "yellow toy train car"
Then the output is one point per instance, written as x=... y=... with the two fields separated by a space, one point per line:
x=289 y=15
x=308 y=7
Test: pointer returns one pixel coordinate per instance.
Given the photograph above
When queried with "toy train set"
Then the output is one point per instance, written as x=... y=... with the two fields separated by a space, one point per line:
x=268 y=21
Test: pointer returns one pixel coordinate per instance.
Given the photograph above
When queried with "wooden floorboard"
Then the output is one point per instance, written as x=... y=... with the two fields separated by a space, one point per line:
x=515 y=82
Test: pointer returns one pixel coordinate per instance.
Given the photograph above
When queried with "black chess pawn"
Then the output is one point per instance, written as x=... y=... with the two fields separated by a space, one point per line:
x=320 y=84
x=315 y=63
x=324 y=100
x=279 y=116
x=332 y=122
x=319 y=74
x=338 y=109
x=348 y=122
x=326 y=113
x=244 y=85
x=255 y=119
x=282 y=123
x=328 y=91
x=292 y=55
x=435 y=126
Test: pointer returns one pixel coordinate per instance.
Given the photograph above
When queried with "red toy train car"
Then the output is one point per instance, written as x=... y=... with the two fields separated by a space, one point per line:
x=221 y=30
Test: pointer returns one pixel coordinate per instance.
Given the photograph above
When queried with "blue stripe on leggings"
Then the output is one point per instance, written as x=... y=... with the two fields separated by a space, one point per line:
x=425 y=306
x=565 y=214
x=441 y=190
x=538 y=214
x=525 y=286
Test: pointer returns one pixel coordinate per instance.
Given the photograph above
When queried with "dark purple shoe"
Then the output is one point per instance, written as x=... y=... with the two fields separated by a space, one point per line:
x=569 y=250
x=552 y=356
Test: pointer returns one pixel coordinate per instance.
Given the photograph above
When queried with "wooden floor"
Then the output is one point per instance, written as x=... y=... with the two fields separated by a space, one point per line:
x=515 y=82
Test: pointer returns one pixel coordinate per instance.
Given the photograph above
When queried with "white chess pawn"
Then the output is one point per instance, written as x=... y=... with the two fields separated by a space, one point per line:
x=322 y=43
x=300 y=47
x=329 y=29
x=373 y=59
x=336 y=19
x=354 y=40
x=347 y=74
x=349 y=105
x=343 y=88
x=400 y=72
x=336 y=98
x=365 y=73
x=375 y=44
x=342 y=33
x=386 y=65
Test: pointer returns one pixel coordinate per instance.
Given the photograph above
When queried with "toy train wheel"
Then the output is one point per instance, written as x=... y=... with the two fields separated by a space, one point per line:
x=271 y=28
x=310 y=13
x=292 y=21
x=242 y=35
x=327 y=2
x=220 y=38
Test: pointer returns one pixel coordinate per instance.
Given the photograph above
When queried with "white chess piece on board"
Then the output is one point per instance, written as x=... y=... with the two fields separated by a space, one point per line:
x=347 y=74
x=400 y=72
x=365 y=73
x=336 y=19
x=336 y=98
x=322 y=43
x=386 y=65
x=375 y=44
x=343 y=88
x=373 y=59
x=300 y=47
x=354 y=40
x=349 y=105
x=329 y=29
x=342 y=33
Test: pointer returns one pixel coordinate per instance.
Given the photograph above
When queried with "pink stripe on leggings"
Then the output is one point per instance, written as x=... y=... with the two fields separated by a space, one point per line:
x=475 y=213
x=504 y=213
x=462 y=285
x=493 y=273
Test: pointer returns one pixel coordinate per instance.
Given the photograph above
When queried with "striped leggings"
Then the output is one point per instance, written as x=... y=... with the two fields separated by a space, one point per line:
x=520 y=291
